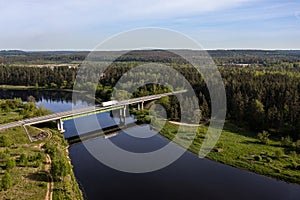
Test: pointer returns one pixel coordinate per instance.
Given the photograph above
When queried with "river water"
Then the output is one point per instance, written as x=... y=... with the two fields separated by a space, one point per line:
x=187 y=178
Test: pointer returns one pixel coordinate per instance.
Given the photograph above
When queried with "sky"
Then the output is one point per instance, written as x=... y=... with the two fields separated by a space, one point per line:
x=215 y=24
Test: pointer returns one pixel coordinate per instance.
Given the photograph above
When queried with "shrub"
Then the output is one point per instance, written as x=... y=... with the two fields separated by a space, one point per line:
x=258 y=158
x=269 y=160
x=286 y=141
x=277 y=170
x=6 y=182
x=37 y=163
x=23 y=161
x=294 y=165
x=7 y=151
x=279 y=153
x=60 y=168
x=10 y=164
x=263 y=137
x=3 y=155
x=5 y=141
x=293 y=154
x=42 y=184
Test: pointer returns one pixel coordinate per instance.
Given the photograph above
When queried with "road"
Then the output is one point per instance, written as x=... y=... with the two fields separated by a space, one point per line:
x=85 y=111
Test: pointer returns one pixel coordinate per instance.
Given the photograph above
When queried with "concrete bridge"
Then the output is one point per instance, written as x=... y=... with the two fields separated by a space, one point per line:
x=67 y=115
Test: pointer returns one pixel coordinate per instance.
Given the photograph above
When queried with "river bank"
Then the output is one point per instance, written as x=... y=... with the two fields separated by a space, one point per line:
x=24 y=87
x=29 y=173
x=240 y=148
x=26 y=170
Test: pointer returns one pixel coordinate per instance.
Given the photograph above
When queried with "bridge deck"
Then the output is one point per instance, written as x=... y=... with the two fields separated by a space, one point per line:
x=66 y=115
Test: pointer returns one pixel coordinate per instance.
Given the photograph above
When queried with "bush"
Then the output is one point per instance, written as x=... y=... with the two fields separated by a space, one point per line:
x=263 y=137
x=294 y=165
x=10 y=164
x=5 y=141
x=60 y=168
x=277 y=170
x=6 y=182
x=37 y=163
x=269 y=160
x=293 y=154
x=258 y=158
x=3 y=155
x=42 y=184
x=23 y=161
x=287 y=141
x=279 y=153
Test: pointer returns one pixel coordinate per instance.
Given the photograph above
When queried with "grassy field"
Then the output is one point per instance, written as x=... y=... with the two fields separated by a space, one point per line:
x=29 y=178
x=6 y=117
x=11 y=87
x=241 y=148
x=25 y=173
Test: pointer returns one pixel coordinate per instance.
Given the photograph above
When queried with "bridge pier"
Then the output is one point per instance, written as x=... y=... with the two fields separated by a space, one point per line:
x=141 y=106
x=122 y=115
x=60 y=125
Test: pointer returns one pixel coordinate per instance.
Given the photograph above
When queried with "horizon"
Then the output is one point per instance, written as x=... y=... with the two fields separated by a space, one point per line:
x=88 y=50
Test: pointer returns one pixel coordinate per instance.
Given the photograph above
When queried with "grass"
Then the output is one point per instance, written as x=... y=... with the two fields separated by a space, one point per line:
x=30 y=181
x=241 y=148
x=27 y=182
x=6 y=117
x=16 y=87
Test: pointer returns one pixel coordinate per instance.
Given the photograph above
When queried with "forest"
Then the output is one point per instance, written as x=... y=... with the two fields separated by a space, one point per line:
x=262 y=87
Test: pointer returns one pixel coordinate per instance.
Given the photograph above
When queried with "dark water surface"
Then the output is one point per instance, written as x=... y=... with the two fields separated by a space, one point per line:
x=187 y=178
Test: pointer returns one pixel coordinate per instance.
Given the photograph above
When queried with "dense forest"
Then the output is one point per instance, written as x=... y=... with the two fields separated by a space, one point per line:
x=262 y=87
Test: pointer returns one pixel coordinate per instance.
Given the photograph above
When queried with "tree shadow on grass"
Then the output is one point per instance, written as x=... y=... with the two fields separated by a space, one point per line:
x=232 y=128
x=39 y=176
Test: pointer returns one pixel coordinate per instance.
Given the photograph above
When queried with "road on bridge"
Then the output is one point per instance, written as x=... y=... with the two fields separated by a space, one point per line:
x=85 y=111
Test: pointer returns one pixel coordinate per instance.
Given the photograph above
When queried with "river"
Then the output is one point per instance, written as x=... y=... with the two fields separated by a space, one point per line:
x=187 y=178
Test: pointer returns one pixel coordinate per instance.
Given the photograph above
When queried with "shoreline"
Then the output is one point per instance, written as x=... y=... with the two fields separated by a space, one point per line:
x=236 y=163
x=24 y=87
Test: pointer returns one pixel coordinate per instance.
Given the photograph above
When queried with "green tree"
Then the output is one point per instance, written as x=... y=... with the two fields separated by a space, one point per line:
x=257 y=114
x=60 y=168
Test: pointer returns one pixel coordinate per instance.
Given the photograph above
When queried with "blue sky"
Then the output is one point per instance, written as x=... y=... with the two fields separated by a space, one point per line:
x=215 y=24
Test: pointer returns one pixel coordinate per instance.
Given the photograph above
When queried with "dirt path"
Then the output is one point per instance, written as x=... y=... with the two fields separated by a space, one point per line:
x=50 y=184
x=184 y=124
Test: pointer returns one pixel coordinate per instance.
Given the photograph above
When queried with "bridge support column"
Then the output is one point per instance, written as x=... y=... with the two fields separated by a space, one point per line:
x=139 y=108
x=142 y=105
x=124 y=111
x=60 y=125
x=122 y=115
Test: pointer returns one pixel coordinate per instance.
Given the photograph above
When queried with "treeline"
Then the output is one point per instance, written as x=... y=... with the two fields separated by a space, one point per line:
x=260 y=57
x=261 y=98
x=56 y=77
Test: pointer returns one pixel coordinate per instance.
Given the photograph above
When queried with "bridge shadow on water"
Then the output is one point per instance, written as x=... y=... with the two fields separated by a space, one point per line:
x=104 y=132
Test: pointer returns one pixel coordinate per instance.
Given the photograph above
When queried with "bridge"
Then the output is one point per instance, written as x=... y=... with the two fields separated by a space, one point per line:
x=67 y=115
